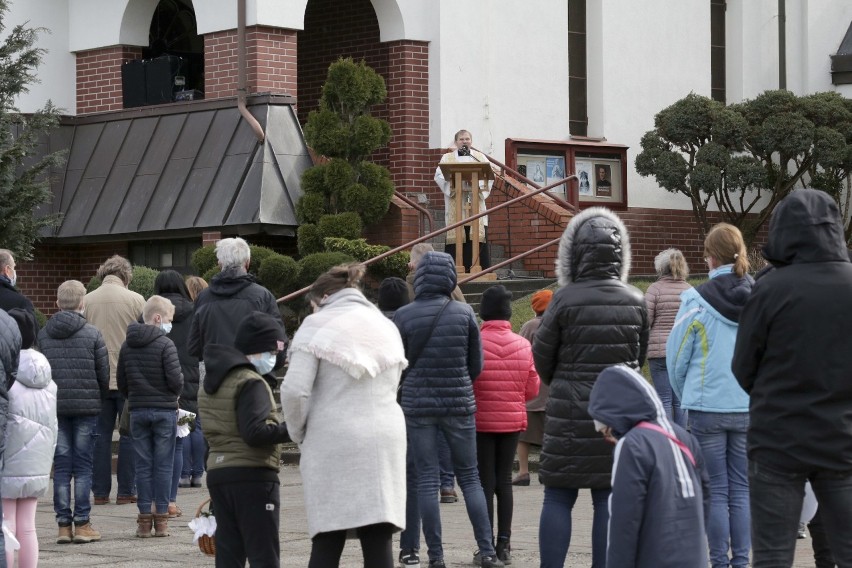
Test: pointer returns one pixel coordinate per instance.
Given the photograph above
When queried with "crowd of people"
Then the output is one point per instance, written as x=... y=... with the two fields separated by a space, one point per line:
x=748 y=401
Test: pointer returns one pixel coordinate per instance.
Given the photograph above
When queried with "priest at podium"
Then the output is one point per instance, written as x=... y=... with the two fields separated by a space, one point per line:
x=464 y=153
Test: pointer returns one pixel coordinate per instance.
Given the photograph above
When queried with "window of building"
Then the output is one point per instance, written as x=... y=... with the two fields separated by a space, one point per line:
x=717 y=50
x=166 y=254
x=578 y=118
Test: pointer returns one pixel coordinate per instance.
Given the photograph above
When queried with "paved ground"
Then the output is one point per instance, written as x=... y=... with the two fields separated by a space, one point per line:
x=120 y=548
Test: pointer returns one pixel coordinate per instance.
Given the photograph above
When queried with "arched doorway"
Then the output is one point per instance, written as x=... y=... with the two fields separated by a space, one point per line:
x=337 y=28
x=174 y=32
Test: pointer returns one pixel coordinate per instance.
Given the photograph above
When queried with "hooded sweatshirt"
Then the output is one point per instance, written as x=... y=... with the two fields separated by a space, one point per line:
x=241 y=420
x=701 y=344
x=79 y=363
x=792 y=350
x=659 y=497
x=595 y=320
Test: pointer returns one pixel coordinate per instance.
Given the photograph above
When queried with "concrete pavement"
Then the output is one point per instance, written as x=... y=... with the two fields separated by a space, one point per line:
x=119 y=547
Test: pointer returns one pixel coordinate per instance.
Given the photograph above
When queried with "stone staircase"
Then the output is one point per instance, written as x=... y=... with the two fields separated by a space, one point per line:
x=519 y=287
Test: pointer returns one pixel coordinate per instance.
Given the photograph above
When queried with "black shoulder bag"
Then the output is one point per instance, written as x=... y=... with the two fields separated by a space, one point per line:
x=412 y=360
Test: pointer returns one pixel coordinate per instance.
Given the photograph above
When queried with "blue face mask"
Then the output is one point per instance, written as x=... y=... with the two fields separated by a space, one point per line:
x=166 y=327
x=265 y=362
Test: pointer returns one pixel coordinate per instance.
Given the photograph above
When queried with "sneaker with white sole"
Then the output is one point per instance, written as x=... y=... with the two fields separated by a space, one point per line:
x=409 y=558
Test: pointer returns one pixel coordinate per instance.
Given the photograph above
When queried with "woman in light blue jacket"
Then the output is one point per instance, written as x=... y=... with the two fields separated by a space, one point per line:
x=698 y=356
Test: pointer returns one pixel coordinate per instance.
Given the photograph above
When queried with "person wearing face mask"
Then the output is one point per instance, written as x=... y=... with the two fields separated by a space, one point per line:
x=149 y=377
x=339 y=401
x=244 y=430
x=10 y=296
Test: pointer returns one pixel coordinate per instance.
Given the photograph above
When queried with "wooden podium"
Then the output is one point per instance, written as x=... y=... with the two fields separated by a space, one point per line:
x=466 y=203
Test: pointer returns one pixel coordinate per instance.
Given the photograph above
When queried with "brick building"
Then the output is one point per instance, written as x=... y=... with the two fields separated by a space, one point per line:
x=564 y=79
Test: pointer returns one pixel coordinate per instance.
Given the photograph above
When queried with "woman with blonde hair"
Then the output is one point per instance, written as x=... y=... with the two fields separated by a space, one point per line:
x=195 y=284
x=699 y=352
x=663 y=302
x=339 y=403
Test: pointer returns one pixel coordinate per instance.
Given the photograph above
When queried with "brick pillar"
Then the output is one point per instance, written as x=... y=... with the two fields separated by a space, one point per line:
x=270 y=62
x=210 y=238
x=99 y=77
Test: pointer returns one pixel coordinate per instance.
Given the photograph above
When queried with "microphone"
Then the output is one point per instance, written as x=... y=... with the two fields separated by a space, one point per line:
x=464 y=150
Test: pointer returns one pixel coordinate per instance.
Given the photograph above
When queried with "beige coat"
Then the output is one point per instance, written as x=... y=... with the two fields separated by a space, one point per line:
x=663 y=302
x=111 y=308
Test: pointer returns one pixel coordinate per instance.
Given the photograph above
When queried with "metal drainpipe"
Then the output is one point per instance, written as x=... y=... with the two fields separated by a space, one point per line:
x=782 y=44
x=241 y=72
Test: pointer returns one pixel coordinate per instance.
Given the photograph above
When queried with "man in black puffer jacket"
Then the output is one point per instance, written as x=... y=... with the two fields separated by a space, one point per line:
x=595 y=320
x=232 y=294
x=792 y=357
x=79 y=362
x=444 y=351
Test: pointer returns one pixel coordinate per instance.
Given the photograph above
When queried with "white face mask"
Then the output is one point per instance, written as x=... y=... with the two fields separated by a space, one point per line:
x=265 y=362
x=166 y=327
x=599 y=426
x=14 y=279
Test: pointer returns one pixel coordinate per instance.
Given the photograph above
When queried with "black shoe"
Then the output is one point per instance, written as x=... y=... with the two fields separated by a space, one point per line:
x=449 y=495
x=409 y=558
x=437 y=563
x=486 y=561
x=504 y=551
x=195 y=482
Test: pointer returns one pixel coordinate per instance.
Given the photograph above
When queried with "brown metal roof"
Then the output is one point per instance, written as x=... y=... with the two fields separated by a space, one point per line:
x=184 y=166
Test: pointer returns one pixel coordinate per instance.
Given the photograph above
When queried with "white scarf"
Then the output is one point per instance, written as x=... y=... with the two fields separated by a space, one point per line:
x=350 y=332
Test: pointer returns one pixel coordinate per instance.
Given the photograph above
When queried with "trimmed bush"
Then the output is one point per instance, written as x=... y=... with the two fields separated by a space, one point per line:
x=203 y=259
x=279 y=273
x=211 y=273
x=343 y=225
x=309 y=239
x=360 y=250
x=312 y=205
x=315 y=264
x=258 y=255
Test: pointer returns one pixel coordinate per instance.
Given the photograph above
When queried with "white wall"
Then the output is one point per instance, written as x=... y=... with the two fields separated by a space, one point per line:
x=501 y=71
x=57 y=73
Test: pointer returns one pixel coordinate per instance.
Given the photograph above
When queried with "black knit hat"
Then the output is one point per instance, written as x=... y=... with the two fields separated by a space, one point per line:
x=496 y=304
x=27 y=324
x=260 y=332
x=393 y=294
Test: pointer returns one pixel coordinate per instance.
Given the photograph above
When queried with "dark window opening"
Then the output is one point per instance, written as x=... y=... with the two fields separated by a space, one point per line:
x=165 y=254
x=717 y=50
x=578 y=118
x=841 y=62
x=174 y=33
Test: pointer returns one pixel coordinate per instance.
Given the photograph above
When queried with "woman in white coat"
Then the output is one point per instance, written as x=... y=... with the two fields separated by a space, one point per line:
x=30 y=443
x=339 y=403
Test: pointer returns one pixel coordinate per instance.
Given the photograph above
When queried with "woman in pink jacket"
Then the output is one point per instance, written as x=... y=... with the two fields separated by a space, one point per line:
x=663 y=302
x=507 y=381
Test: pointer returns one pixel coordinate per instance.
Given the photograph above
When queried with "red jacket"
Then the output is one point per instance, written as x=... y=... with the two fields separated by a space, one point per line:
x=507 y=381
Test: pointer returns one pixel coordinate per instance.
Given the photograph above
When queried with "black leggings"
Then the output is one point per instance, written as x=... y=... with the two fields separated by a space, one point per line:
x=495 y=453
x=376 y=545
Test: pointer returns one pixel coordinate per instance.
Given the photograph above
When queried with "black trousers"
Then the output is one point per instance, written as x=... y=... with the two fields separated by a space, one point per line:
x=376 y=546
x=495 y=454
x=822 y=552
x=247 y=520
x=484 y=256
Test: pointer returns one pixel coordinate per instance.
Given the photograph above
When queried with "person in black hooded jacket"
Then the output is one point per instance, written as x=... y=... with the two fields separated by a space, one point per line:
x=791 y=356
x=594 y=320
x=244 y=429
x=232 y=294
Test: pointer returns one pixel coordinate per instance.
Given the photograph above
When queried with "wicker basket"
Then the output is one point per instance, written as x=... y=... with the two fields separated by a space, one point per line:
x=207 y=544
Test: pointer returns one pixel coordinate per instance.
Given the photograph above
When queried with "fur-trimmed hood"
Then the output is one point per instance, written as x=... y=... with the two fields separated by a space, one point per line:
x=594 y=246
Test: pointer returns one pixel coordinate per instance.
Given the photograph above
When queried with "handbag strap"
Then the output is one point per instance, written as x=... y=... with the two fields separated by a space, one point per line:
x=416 y=355
x=683 y=447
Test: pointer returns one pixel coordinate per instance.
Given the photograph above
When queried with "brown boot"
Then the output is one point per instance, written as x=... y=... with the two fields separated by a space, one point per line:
x=161 y=525
x=65 y=535
x=143 y=525
x=85 y=533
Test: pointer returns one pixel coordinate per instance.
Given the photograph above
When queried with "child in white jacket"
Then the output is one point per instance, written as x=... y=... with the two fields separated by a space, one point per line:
x=30 y=442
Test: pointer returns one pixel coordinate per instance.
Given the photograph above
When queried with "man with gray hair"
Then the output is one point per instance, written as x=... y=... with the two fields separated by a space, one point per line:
x=232 y=294
x=111 y=308
x=10 y=296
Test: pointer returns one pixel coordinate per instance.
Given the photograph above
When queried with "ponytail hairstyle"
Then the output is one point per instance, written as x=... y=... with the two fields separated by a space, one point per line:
x=671 y=262
x=336 y=279
x=725 y=243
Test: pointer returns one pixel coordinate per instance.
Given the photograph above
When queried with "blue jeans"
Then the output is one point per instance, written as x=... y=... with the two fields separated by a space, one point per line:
x=554 y=529
x=445 y=464
x=722 y=437
x=177 y=468
x=776 y=503
x=409 y=539
x=194 y=449
x=102 y=476
x=660 y=376
x=460 y=432
x=154 y=431
x=75 y=444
